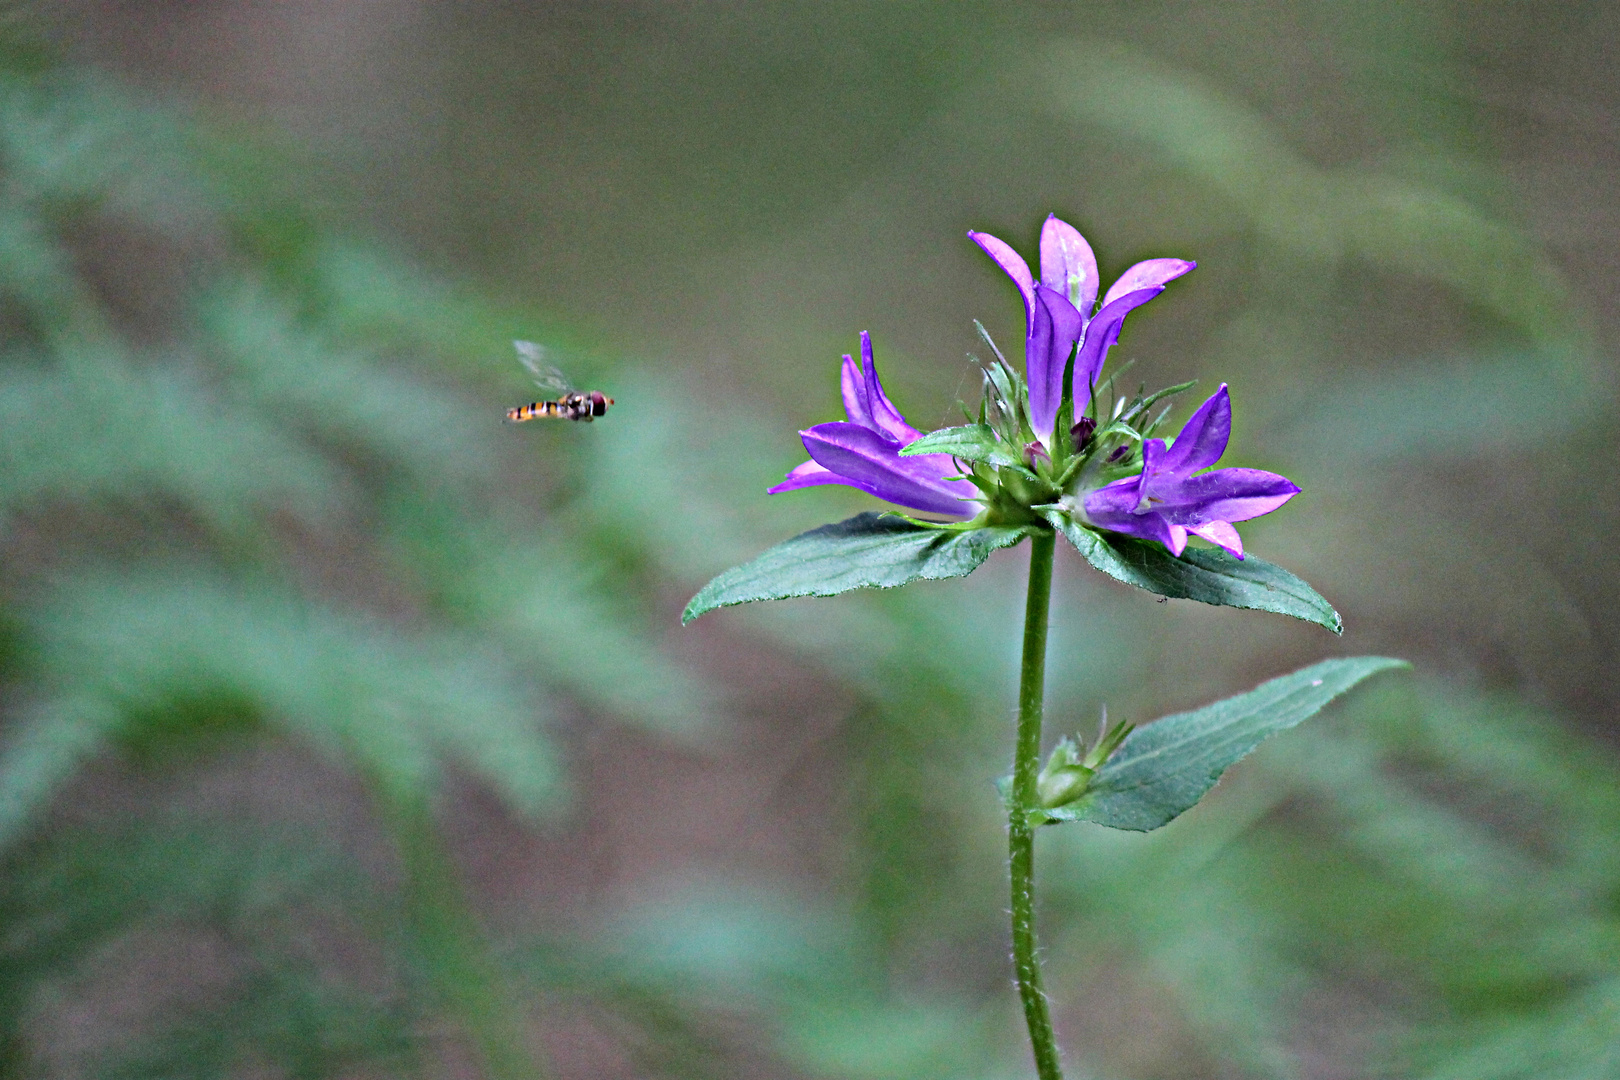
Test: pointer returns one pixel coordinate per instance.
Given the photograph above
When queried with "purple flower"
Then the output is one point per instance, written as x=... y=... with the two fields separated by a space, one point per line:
x=865 y=452
x=1166 y=502
x=1058 y=312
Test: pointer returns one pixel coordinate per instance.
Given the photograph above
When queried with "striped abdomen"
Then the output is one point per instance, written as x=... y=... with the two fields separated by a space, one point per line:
x=533 y=411
x=574 y=406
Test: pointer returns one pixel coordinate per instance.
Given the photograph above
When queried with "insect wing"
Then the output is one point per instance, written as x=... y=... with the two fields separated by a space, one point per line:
x=546 y=377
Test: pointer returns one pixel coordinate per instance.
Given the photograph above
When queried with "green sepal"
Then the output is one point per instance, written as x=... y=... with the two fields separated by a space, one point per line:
x=984 y=335
x=1008 y=418
x=1208 y=575
x=1001 y=377
x=1165 y=767
x=971 y=442
x=1108 y=384
x=1141 y=407
x=870 y=550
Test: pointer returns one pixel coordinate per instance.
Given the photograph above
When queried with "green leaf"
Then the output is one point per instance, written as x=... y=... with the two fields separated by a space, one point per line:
x=971 y=442
x=1165 y=767
x=1208 y=575
x=870 y=550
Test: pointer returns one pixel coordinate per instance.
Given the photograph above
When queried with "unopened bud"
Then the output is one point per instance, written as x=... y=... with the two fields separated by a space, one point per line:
x=1068 y=773
x=1064 y=778
x=1080 y=434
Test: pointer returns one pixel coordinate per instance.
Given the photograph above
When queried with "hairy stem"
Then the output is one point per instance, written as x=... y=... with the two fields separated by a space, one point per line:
x=1020 y=834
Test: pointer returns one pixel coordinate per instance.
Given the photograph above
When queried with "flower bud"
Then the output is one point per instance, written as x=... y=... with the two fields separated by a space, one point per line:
x=1068 y=773
x=1064 y=778
x=1080 y=434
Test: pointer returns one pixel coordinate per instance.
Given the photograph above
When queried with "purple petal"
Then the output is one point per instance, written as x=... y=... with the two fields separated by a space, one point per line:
x=1117 y=499
x=1067 y=265
x=1101 y=333
x=1113 y=507
x=1228 y=495
x=1154 y=480
x=857 y=403
x=807 y=475
x=1220 y=533
x=884 y=417
x=865 y=459
x=1150 y=274
x=1013 y=265
x=1038 y=363
x=1054 y=328
x=1203 y=437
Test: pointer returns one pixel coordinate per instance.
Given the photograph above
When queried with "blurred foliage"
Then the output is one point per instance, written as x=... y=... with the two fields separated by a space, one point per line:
x=276 y=586
x=180 y=460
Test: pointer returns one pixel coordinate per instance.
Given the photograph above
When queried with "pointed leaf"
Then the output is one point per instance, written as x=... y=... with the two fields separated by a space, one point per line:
x=1208 y=575
x=870 y=550
x=1165 y=767
x=971 y=442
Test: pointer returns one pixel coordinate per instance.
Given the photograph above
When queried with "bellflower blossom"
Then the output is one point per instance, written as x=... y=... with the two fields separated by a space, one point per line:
x=1059 y=315
x=1105 y=482
x=1167 y=501
x=865 y=452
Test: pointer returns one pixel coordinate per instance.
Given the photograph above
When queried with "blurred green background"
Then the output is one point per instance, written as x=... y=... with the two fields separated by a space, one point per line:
x=347 y=732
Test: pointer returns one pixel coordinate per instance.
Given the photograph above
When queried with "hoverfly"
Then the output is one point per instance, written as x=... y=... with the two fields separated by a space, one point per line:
x=569 y=404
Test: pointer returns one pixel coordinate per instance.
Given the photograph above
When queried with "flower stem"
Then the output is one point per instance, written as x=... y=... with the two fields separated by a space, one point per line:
x=1020 y=833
